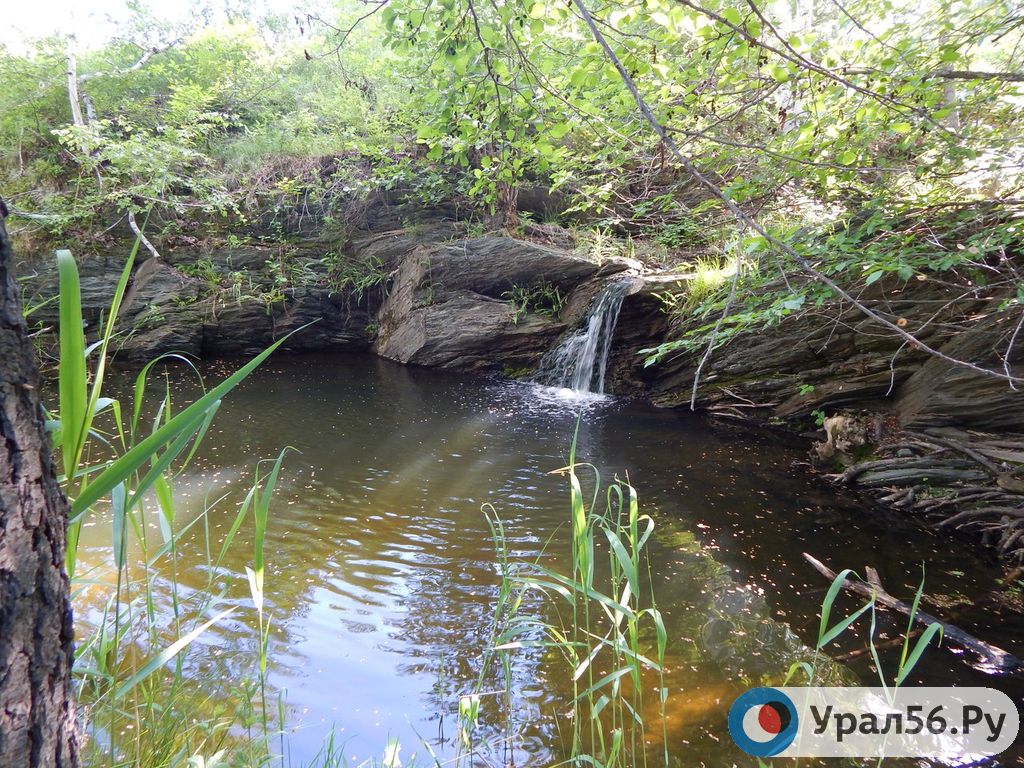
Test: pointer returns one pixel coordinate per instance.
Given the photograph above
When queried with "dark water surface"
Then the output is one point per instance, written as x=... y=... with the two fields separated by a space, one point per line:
x=382 y=575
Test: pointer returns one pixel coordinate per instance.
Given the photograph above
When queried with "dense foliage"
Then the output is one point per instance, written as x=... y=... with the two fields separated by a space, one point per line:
x=837 y=104
x=798 y=112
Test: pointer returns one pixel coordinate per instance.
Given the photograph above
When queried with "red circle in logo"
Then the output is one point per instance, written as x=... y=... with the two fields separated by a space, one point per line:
x=769 y=719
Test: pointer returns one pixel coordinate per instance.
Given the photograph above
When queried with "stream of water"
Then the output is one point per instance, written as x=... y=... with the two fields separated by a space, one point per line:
x=382 y=575
x=580 y=360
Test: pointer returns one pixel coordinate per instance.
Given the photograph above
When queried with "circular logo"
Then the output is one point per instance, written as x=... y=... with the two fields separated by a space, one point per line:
x=763 y=722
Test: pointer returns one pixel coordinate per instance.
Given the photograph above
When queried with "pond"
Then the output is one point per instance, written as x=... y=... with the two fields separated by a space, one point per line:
x=382 y=574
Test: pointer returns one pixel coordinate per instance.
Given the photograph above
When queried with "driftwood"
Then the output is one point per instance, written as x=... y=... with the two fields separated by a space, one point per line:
x=994 y=658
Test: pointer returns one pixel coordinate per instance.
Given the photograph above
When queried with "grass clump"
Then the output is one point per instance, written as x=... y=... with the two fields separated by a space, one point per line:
x=541 y=299
x=607 y=632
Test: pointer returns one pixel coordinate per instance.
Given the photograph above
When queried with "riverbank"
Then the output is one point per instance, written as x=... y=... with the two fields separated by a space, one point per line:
x=424 y=287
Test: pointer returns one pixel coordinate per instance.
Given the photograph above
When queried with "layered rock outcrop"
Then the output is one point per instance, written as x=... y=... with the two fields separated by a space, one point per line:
x=450 y=305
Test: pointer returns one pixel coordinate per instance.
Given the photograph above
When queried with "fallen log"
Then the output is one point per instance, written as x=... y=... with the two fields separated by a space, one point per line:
x=995 y=659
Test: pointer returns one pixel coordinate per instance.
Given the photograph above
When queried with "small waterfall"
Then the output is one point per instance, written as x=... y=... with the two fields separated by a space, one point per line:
x=580 y=360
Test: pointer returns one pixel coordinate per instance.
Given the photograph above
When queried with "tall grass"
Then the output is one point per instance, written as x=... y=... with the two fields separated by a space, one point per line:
x=608 y=633
x=140 y=706
x=910 y=656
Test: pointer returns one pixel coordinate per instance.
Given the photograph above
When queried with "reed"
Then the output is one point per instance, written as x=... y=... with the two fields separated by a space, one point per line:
x=608 y=631
x=140 y=706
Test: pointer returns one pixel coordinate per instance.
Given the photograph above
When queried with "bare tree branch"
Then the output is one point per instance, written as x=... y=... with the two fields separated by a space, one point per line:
x=142 y=238
x=146 y=56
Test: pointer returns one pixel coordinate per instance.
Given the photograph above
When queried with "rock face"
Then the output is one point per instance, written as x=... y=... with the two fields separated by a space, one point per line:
x=405 y=285
x=449 y=305
x=165 y=310
x=840 y=359
x=413 y=291
x=940 y=394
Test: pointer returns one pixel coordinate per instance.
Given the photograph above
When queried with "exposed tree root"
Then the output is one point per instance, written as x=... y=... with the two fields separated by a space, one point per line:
x=955 y=479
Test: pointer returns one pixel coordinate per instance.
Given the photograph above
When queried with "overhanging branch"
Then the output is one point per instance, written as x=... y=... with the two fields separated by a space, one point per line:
x=745 y=218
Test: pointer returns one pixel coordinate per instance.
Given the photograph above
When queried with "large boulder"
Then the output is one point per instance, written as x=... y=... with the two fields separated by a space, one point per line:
x=491 y=266
x=450 y=305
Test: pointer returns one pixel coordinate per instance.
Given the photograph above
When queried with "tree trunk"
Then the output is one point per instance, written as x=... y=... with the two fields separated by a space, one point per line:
x=37 y=715
x=507 y=206
x=72 y=73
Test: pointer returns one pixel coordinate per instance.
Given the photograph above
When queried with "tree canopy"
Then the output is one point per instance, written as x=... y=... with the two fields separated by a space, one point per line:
x=794 y=114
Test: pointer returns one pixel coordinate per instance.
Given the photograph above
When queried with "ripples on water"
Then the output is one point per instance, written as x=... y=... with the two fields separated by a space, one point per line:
x=381 y=572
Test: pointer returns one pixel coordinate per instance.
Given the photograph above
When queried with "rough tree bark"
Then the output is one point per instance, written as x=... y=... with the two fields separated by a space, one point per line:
x=37 y=715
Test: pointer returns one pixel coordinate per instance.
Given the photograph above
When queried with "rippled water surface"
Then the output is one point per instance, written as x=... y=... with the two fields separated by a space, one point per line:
x=382 y=575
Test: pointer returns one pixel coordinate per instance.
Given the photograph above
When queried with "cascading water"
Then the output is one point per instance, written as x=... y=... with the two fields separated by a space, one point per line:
x=580 y=360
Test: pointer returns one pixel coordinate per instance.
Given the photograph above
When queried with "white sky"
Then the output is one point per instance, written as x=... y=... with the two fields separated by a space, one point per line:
x=95 y=21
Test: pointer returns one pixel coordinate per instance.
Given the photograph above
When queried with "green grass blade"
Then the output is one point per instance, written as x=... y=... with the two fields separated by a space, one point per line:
x=104 y=344
x=829 y=601
x=166 y=655
x=165 y=500
x=139 y=454
x=625 y=561
x=142 y=378
x=843 y=625
x=606 y=680
x=911 y=618
x=261 y=511
x=117 y=498
x=72 y=383
x=907 y=665
x=235 y=525
x=162 y=461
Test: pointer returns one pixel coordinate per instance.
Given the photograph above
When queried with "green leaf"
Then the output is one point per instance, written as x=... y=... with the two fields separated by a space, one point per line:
x=829 y=601
x=165 y=500
x=187 y=420
x=874 y=277
x=117 y=526
x=72 y=382
x=558 y=130
x=733 y=16
x=922 y=643
x=843 y=625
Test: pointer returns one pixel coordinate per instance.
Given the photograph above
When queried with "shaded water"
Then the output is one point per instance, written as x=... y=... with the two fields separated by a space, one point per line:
x=382 y=576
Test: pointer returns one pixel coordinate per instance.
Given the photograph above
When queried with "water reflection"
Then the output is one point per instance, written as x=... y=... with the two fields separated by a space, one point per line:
x=381 y=573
